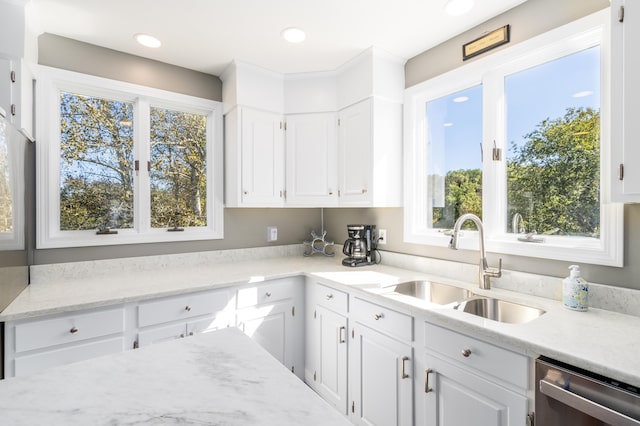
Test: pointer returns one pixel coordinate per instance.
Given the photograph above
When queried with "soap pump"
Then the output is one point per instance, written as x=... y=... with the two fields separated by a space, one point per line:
x=575 y=290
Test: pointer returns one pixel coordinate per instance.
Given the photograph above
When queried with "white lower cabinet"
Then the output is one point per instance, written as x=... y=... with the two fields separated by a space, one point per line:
x=271 y=313
x=326 y=344
x=176 y=317
x=35 y=344
x=381 y=366
x=467 y=381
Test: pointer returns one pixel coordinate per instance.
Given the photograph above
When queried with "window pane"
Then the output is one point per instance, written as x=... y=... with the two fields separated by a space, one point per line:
x=96 y=158
x=553 y=161
x=6 y=196
x=454 y=157
x=178 y=169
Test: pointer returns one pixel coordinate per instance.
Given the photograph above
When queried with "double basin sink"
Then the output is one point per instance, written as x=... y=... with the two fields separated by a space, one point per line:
x=466 y=301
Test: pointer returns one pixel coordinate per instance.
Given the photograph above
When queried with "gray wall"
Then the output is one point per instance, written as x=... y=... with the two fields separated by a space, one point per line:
x=73 y=55
x=242 y=227
x=527 y=20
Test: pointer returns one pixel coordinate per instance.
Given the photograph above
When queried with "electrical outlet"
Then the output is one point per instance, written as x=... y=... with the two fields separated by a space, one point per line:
x=382 y=236
x=272 y=234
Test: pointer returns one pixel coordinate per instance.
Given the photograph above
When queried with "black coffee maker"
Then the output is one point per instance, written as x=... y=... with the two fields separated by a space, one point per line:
x=360 y=245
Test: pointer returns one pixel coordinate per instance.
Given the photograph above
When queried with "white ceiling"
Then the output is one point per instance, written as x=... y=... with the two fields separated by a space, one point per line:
x=206 y=35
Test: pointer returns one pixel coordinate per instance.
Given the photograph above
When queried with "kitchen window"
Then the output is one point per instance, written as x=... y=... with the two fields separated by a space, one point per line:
x=119 y=163
x=529 y=158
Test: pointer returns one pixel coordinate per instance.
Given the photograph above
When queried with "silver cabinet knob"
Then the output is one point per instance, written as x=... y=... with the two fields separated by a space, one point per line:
x=187 y=308
x=73 y=330
x=268 y=294
x=466 y=352
x=329 y=296
x=378 y=316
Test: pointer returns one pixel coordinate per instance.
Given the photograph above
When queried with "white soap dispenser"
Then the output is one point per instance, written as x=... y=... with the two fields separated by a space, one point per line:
x=575 y=291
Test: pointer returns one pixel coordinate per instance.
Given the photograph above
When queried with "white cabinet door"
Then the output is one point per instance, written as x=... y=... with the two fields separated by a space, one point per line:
x=271 y=326
x=454 y=396
x=381 y=379
x=5 y=86
x=625 y=85
x=162 y=334
x=355 y=154
x=330 y=371
x=311 y=145
x=262 y=156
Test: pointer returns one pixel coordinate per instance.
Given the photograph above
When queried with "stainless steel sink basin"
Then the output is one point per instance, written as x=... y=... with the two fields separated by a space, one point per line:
x=499 y=310
x=430 y=291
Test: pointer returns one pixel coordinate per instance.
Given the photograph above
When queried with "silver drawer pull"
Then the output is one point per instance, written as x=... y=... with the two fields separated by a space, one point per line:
x=341 y=332
x=378 y=316
x=329 y=296
x=268 y=294
x=187 y=308
x=73 y=330
x=466 y=352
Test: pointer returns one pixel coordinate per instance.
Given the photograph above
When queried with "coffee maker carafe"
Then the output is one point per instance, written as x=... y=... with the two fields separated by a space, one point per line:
x=360 y=245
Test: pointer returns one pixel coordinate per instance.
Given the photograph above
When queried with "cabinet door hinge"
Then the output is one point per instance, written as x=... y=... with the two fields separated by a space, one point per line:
x=353 y=406
x=621 y=172
x=621 y=14
x=136 y=345
x=293 y=369
x=13 y=76
x=293 y=311
x=531 y=421
x=314 y=376
x=353 y=333
x=315 y=314
x=338 y=122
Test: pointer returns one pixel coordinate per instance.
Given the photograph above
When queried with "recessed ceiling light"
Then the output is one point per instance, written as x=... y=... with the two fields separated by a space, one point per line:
x=582 y=94
x=460 y=99
x=458 y=7
x=293 y=35
x=147 y=40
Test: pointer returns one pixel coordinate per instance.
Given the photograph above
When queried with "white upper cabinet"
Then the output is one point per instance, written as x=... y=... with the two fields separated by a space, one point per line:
x=625 y=86
x=311 y=145
x=355 y=164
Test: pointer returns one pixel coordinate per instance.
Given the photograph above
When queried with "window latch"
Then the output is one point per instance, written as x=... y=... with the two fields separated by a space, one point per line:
x=497 y=152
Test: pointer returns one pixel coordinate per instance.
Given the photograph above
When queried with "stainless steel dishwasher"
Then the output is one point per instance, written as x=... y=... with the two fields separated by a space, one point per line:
x=567 y=395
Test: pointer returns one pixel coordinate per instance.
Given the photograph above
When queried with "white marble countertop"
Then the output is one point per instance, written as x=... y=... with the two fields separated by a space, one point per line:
x=599 y=340
x=218 y=378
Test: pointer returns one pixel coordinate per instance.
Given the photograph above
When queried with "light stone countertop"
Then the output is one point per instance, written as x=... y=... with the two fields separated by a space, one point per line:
x=599 y=340
x=217 y=378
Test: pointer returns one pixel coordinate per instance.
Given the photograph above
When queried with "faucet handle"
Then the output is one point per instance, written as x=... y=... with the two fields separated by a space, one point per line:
x=495 y=272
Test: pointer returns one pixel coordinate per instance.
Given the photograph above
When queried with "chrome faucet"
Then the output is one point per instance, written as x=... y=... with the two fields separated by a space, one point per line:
x=485 y=272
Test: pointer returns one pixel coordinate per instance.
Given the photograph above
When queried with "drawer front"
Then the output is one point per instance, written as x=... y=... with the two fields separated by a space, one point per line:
x=265 y=293
x=383 y=319
x=32 y=363
x=68 y=329
x=330 y=298
x=484 y=357
x=181 y=307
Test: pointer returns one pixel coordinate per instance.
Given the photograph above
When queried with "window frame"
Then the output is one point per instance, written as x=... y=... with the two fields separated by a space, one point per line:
x=490 y=71
x=50 y=83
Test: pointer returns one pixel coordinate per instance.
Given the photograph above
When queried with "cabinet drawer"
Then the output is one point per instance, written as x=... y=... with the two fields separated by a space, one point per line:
x=484 y=357
x=265 y=293
x=383 y=319
x=68 y=329
x=31 y=363
x=331 y=298
x=181 y=307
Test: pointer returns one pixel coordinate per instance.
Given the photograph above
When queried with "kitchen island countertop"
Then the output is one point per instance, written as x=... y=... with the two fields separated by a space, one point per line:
x=218 y=378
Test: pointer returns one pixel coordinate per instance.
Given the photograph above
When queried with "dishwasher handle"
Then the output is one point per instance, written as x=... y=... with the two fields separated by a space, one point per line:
x=591 y=408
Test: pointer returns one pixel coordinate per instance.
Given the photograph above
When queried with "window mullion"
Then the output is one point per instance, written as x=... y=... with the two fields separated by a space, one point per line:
x=494 y=188
x=143 y=153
